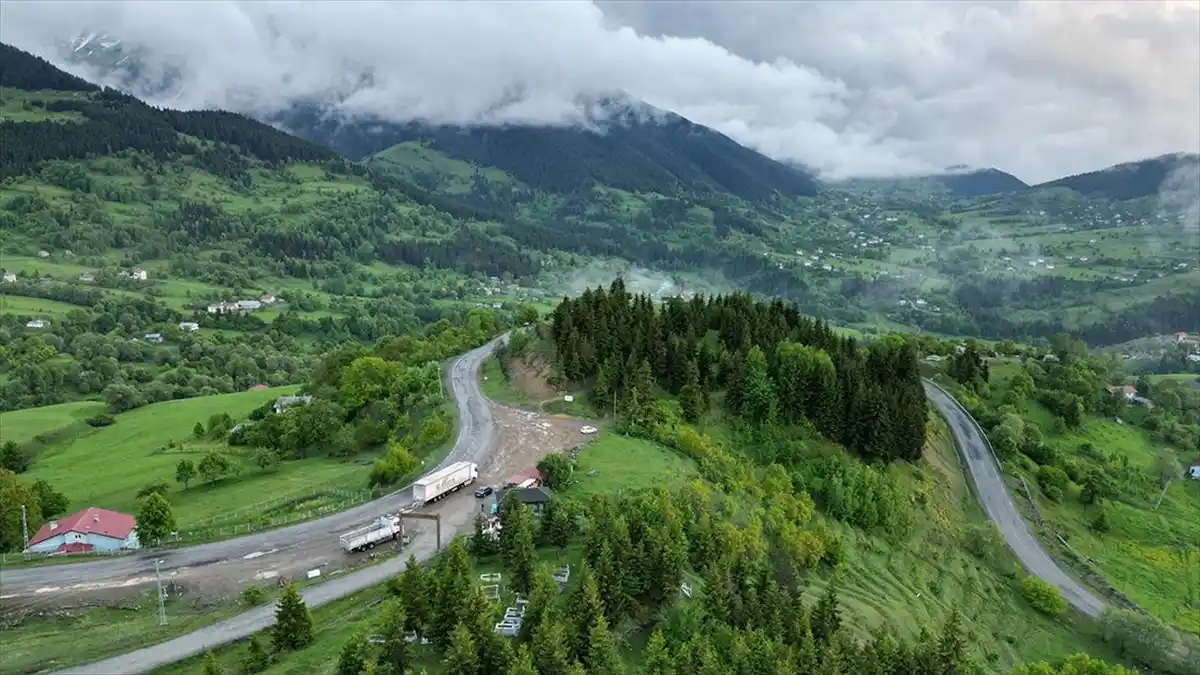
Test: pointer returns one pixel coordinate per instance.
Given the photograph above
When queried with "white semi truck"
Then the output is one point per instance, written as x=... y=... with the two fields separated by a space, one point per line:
x=383 y=528
x=444 y=481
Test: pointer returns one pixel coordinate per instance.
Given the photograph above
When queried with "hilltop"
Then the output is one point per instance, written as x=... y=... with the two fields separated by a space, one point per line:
x=1135 y=180
x=955 y=181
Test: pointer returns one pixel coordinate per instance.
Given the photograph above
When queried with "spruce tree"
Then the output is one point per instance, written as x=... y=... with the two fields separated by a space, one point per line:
x=602 y=657
x=353 y=656
x=691 y=396
x=211 y=665
x=549 y=649
x=452 y=585
x=395 y=652
x=256 y=659
x=414 y=587
x=826 y=617
x=522 y=663
x=293 y=623
x=657 y=657
x=583 y=607
x=517 y=545
x=462 y=657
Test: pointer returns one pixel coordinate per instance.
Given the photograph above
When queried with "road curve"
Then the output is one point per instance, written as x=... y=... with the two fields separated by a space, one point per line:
x=474 y=442
x=993 y=496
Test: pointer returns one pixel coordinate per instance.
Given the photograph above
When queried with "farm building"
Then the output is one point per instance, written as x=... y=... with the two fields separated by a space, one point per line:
x=535 y=498
x=526 y=479
x=92 y=529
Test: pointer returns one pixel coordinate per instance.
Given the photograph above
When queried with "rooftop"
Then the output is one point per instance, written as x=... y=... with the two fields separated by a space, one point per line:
x=91 y=520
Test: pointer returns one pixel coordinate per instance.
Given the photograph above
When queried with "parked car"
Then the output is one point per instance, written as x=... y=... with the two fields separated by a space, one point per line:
x=587 y=429
x=485 y=491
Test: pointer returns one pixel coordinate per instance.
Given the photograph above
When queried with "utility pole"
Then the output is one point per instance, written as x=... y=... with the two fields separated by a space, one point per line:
x=162 y=602
x=24 y=528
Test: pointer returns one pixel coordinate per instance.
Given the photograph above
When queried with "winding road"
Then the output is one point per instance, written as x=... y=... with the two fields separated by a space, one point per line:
x=981 y=464
x=474 y=442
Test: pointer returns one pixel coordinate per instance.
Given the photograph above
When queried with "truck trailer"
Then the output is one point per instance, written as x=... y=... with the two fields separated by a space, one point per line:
x=444 y=481
x=368 y=536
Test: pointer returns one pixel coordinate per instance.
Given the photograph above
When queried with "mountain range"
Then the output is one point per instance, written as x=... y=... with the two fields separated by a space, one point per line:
x=621 y=142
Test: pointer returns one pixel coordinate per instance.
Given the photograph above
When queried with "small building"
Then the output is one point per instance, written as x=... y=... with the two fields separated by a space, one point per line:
x=37 y=323
x=268 y=299
x=1128 y=391
x=10 y=278
x=153 y=338
x=249 y=305
x=1180 y=337
x=1194 y=470
x=189 y=326
x=535 y=498
x=92 y=529
x=87 y=277
x=43 y=253
x=137 y=274
x=285 y=402
x=225 y=307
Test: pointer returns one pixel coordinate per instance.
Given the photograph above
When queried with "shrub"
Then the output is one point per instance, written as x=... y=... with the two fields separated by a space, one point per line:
x=253 y=595
x=1053 y=493
x=982 y=540
x=1148 y=641
x=1043 y=597
x=1099 y=522
x=101 y=420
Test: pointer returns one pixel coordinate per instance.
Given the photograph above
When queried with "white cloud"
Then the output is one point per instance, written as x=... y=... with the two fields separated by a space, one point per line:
x=1037 y=88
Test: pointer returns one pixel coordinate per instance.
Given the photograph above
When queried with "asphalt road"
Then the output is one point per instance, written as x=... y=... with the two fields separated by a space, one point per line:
x=474 y=442
x=996 y=502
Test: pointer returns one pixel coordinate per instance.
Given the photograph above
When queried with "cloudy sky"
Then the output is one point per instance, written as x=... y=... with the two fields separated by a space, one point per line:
x=1040 y=89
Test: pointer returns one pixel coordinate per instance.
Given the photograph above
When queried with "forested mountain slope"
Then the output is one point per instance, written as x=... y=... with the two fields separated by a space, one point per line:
x=1133 y=180
x=123 y=229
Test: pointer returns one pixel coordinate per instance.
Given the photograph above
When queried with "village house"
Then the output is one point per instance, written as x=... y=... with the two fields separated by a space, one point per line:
x=37 y=323
x=43 y=254
x=154 y=338
x=92 y=529
x=267 y=299
x=285 y=402
x=137 y=274
x=10 y=278
x=189 y=326
x=1181 y=337
x=535 y=498
x=1130 y=394
x=87 y=277
x=224 y=307
x=249 y=305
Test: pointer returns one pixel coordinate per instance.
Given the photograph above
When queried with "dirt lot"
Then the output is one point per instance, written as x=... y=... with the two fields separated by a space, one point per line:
x=524 y=438
x=528 y=375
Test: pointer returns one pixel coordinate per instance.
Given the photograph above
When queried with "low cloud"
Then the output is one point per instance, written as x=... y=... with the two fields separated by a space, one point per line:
x=1038 y=89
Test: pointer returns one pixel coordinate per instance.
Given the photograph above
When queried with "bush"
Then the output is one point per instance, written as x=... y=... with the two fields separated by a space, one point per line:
x=1150 y=642
x=1053 y=493
x=1043 y=597
x=983 y=541
x=101 y=420
x=1099 y=522
x=1052 y=476
x=253 y=595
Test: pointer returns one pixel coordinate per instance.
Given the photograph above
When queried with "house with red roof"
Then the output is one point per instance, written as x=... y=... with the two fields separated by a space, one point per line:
x=92 y=529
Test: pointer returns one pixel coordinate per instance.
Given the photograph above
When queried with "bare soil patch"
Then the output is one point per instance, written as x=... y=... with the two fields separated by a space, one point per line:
x=524 y=437
x=530 y=376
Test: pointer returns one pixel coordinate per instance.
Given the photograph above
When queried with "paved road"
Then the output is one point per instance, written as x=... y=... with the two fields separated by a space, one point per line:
x=474 y=442
x=994 y=497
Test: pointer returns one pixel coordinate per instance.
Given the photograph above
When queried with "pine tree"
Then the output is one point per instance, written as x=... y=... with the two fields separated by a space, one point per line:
x=549 y=648
x=602 y=657
x=952 y=646
x=583 y=607
x=691 y=396
x=657 y=658
x=462 y=657
x=414 y=588
x=517 y=545
x=541 y=608
x=353 y=657
x=482 y=544
x=522 y=663
x=452 y=586
x=293 y=623
x=211 y=665
x=395 y=651
x=256 y=659
x=826 y=617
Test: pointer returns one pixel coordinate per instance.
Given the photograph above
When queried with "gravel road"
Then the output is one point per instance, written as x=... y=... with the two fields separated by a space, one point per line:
x=474 y=442
x=994 y=497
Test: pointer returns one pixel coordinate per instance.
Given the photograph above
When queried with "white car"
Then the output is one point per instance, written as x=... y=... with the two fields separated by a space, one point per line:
x=588 y=429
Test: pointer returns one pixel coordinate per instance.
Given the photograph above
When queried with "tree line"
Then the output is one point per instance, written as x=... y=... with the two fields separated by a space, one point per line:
x=771 y=363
